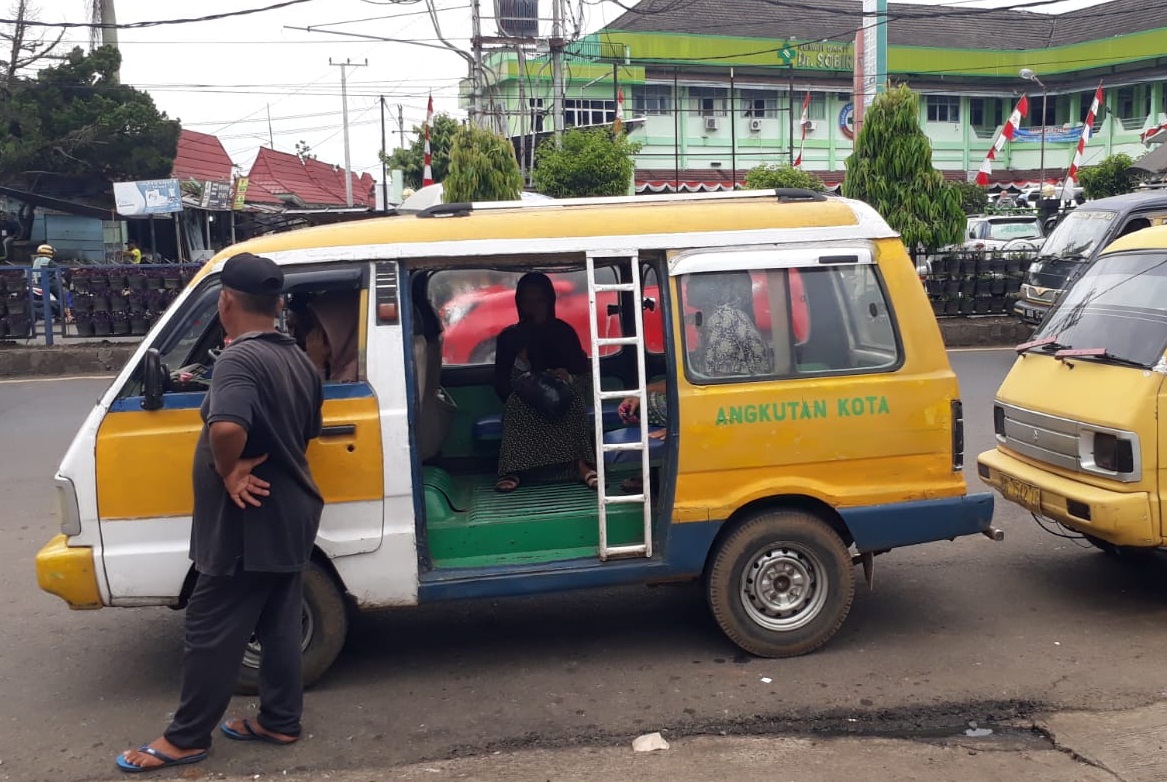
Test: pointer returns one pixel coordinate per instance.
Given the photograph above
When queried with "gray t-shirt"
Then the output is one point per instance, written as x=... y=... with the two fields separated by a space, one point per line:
x=266 y=384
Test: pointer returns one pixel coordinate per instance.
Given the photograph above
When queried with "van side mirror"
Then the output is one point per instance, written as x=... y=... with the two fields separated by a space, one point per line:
x=153 y=380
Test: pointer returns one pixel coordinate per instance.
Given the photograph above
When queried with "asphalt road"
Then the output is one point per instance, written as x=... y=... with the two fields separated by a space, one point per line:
x=952 y=631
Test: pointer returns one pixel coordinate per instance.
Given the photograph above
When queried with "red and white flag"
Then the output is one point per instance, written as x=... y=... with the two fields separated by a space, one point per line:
x=804 y=122
x=619 y=124
x=1083 y=140
x=1006 y=135
x=427 y=175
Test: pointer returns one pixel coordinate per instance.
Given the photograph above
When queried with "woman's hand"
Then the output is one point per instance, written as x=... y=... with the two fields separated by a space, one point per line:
x=629 y=410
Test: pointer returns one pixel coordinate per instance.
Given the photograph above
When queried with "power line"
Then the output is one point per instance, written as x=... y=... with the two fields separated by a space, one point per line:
x=156 y=23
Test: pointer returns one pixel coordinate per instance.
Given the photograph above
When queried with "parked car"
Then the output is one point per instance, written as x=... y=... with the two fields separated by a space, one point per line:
x=1003 y=232
x=1077 y=240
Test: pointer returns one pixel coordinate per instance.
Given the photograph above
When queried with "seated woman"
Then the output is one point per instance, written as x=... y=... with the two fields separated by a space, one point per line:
x=541 y=343
x=730 y=346
x=327 y=329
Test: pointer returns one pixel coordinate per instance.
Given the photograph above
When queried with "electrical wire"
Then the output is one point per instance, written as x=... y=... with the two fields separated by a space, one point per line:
x=155 y=23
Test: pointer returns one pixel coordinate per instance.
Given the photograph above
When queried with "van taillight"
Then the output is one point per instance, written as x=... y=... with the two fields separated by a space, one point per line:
x=957 y=435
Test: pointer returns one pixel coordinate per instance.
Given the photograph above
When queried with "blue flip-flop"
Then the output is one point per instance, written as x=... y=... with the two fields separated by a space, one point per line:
x=167 y=761
x=252 y=734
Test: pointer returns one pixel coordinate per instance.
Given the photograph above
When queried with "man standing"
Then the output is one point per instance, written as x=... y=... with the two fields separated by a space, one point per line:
x=256 y=513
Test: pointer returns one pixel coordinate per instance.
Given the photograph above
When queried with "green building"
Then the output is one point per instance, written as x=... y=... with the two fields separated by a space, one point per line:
x=709 y=94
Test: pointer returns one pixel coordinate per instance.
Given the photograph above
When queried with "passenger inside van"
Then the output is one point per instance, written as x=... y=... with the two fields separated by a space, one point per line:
x=727 y=344
x=534 y=443
x=326 y=326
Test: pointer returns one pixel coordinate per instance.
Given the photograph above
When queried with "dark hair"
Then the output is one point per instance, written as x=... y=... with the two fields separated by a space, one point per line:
x=258 y=303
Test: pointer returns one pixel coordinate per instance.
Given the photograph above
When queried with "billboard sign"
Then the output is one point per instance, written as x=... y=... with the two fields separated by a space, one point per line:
x=216 y=196
x=150 y=197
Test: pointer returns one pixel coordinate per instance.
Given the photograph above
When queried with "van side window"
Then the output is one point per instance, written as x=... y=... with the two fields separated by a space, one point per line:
x=787 y=323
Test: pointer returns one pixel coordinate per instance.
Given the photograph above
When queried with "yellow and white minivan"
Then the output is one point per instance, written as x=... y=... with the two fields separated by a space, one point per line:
x=770 y=486
x=1079 y=417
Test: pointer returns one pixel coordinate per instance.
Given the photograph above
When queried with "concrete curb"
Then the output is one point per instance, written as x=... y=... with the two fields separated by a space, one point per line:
x=64 y=360
x=102 y=358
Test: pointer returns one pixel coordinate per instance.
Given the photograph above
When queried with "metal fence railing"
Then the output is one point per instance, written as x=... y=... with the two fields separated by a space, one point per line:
x=87 y=301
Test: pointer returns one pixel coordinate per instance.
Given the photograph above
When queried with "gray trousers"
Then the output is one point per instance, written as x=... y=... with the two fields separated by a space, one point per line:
x=222 y=615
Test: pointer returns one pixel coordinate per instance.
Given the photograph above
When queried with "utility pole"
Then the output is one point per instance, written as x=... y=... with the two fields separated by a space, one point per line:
x=384 y=165
x=348 y=177
x=401 y=124
x=478 y=84
x=102 y=13
x=557 y=67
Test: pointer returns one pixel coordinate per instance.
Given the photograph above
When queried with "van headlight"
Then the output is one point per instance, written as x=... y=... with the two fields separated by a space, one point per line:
x=67 y=506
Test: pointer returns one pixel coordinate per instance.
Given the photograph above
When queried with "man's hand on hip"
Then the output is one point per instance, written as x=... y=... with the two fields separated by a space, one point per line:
x=243 y=487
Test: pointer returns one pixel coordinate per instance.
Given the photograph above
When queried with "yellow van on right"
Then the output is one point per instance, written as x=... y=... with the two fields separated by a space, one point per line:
x=1079 y=417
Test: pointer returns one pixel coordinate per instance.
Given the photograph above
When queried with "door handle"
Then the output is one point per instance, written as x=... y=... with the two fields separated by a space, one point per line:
x=338 y=430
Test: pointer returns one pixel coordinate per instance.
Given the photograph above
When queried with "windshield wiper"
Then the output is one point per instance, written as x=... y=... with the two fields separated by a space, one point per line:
x=1046 y=344
x=1099 y=353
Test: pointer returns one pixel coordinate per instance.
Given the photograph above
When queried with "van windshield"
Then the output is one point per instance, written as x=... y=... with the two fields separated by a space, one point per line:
x=1077 y=235
x=1119 y=305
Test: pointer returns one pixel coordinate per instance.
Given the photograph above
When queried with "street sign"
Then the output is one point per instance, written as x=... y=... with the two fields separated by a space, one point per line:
x=786 y=54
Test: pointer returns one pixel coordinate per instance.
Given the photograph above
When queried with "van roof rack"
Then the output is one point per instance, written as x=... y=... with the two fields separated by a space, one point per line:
x=783 y=194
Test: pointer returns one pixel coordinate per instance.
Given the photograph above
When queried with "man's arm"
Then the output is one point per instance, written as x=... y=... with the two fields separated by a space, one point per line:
x=233 y=399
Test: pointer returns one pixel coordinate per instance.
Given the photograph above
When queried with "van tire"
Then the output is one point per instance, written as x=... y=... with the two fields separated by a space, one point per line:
x=326 y=618
x=781 y=584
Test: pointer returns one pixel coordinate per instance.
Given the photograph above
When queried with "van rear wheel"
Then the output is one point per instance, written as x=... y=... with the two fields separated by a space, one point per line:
x=781 y=584
x=324 y=626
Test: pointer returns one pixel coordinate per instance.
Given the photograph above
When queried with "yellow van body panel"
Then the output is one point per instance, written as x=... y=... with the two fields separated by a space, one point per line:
x=69 y=573
x=847 y=440
x=144 y=459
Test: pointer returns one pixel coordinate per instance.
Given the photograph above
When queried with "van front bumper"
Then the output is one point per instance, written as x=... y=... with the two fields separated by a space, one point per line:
x=1121 y=518
x=68 y=573
x=1030 y=312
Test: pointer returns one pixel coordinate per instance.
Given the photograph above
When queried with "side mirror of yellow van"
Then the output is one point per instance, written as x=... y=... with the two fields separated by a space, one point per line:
x=153 y=380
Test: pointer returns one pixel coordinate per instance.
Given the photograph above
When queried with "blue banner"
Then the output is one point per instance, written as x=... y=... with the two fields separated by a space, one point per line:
x=1053 y=135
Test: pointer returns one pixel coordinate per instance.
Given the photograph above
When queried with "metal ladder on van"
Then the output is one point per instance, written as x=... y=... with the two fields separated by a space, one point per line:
x=599 y=396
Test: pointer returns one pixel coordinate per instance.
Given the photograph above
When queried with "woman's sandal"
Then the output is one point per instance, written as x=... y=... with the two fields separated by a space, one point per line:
x=506 y=484
x=632 y=486
x=592 y=480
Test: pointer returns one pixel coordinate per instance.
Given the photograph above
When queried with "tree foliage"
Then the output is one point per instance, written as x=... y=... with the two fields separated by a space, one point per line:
x=891 y=169
x=1111 y=177
x=73 y=119
x=772 y=175
x=411 y=160
x=482 y=168
x=974 y=199
x=586 y=163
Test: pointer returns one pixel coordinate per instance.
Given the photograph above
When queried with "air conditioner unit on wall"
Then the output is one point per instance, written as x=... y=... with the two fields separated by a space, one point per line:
x=755 y=125
x=713 y=123
x=810 y=126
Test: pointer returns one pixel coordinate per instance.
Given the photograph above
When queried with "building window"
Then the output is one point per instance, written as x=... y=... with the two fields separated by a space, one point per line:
x=708 y=101
x=759 y=104
x=943 y=108
x=1126 y=103
x=579 y=112
x=984 y=112
x=817 y=108
x=538 y=113
x=652 y=100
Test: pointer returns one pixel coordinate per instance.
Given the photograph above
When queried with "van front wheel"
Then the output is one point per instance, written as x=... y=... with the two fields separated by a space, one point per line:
x=781 y=584
x=324 y=625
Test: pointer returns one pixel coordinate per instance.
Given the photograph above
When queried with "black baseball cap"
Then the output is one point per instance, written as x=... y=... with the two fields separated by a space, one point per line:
x=253 y=274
